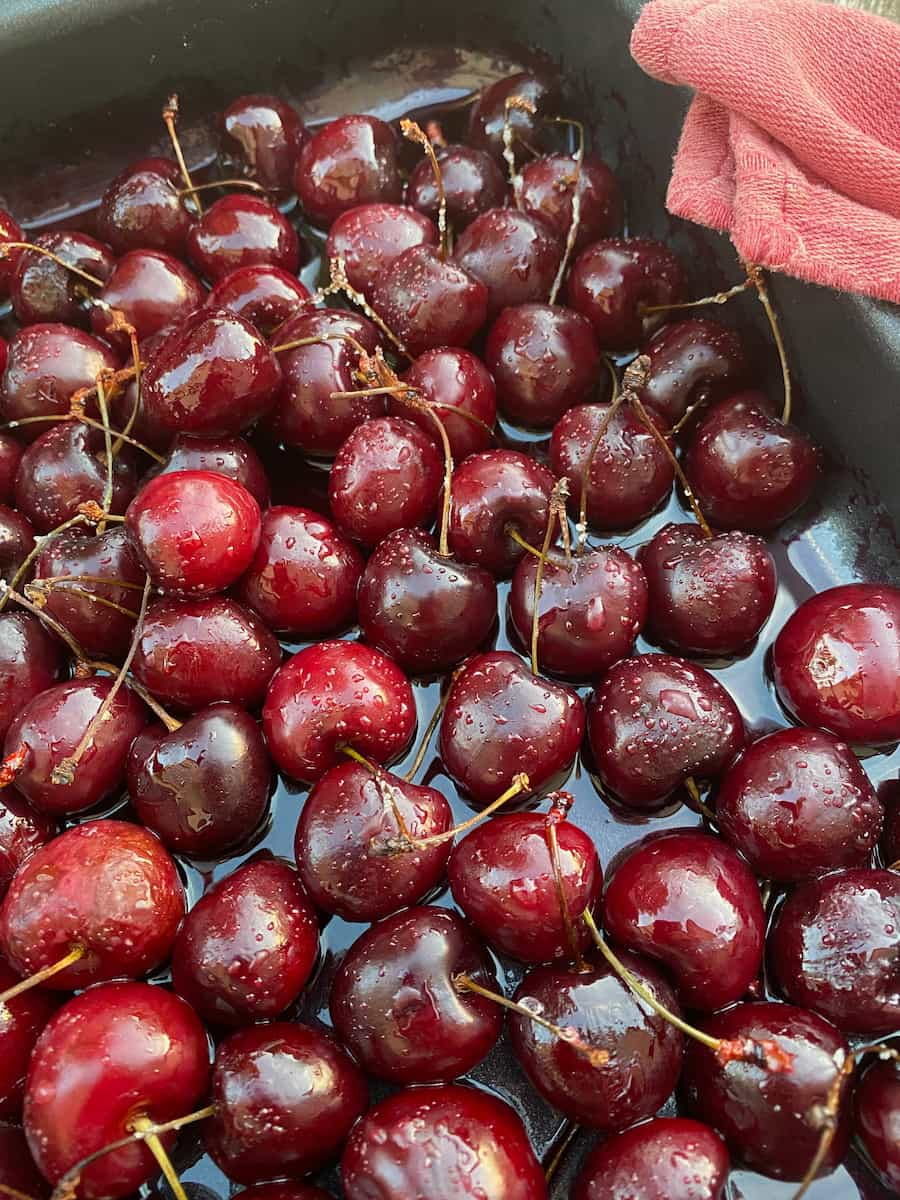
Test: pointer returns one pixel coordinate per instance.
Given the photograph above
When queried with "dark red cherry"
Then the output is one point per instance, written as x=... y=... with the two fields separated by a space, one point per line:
x=797 y=803
x=195 y=532
x=654 y=721
x=43 y=290
x=223 y=455
x=286 y=1097
x=386 y=476
x=614 y=279
x=142 y=209
x=502 y=877
x=768 y=1118
x=10 y=231
x=837 y=663
x=126 y=408
x=500 y=720
x=30 y=661
x=428 y=302
x=687 y=900
x=192 y=653
x=17 y=1167
x=261 y=137
x=370 y=237
x=108 y=1056
x=748 y=469
x=591 y=610
x=350 y=161
x=151 y=290
x=342 y=841
x=242 y=231
x=107 y=886
x=11 y=450
x=16 y=540
x=547 y=189
x=691 y=361
x=395 y=1006
x=488 y=114
x=203 y=788
x=666 y=1158
x=515 y=256
x=22 y=831
x=336 y=694
x=451 y=379
x=708 y=595
x=429 y=1141
x=472 y=181
x=264 y=295
x=889 y=791
x=24 y=1017
x=878 y=1118
x=283 y=1191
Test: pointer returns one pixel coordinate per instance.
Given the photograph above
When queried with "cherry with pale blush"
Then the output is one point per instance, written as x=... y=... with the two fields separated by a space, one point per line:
x=473 y=183
x=260 y=137
x=11 y=451
x=428 y=301
x=45 y=290
x=23 y=830
x=30 y=661
x=515 y=255
x=489 y=113
x=24 y=1018
x=371 y=237
x=264 y=295
x=878 y=1119
x=666 y=1158
x=347 y=162
x=242 y=231
x=151 y=290
x=226 y=455
x=548 y=185
x=142 y=209
x=16 y=543
x=457 y=383
x=691 y=362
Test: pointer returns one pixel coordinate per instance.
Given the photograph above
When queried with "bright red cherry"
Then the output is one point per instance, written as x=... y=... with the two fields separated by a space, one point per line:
x=428 y=301
x=24 y=1017
x=489 y=112
x=223 y=455
x=452 y=380
x=350 y=161
x=472 y=181
x=151 y=290
x=371 y=237
x=666 y=1158
x=614 y=279
x=30 y=661
x=878 y=1120
x=691 y=362
x=242 y=231
x=16 y=542
x=515 y=255
x=547 y=189
x=43 y=290
x=261 y=136
x=264 y=295
x=143 y=210
x=22 y=831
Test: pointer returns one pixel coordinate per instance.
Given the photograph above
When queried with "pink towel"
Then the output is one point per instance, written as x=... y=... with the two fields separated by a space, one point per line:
x=792 y=143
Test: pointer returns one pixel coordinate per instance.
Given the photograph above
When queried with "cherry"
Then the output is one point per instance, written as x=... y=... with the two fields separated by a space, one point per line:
x=111 y=1055
x=500 y=720
x=591 y=610
x=107 y=887
x=30 y=661
x=342 y=840
x=371 y=237
x=890 y=791
x=796 y=803
x=348 y=162
x=11 y=450
x=22 y=831
x=452 y=380
x=126 y=406
x=286 y=1097
x=44 y=290
x=24 y=1017
x=691 y=362
x=708 y=595
x=334 y=694
x=687 y=900
x=666 y=1158
x=613 y=280
x=283 y=1191
x=264 y=295
x=10 y=231
x=16 y=540
x=546 y=192
x=837 y=663
x=195 y=532
x=515 y=256
x=472 y=181
x=878 y=1118
x=768 y=1118
x=17 y=1167
x=224 y=455
x=428 y=301
x=151 y=290
x=242 y=231
x=193 y=653
x=261 y=137
x=202 y=787
x=428 y=1142
x=747 y=468
x=489 y=112
x=142 y=209
x=656 y=721
x=386 y=476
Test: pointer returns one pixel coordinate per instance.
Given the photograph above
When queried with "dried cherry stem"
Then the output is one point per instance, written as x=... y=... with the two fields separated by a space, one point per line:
x=119 y=324
x=409 y=844
x=79 y=415
x=38 y=596
x=341 y=285
x=5 y=248
x=520 y=104
x=647 y=310
x=690 y=786
x=556 y=511
x=108 y=450
x=12 y=765
x=25 y=985
x=89 y=665
x=559 y=811
x=145 y=1126
x=426 y=737
x=170 y=118
x=894 y=866
x=47 y=582
x=415 y=133
x=574 y=224
x=8 y=592
x=92 y=511
x=6 y=1190
x=581 y=527
x=757 y=277
x=569 y=1132
x=221 y=183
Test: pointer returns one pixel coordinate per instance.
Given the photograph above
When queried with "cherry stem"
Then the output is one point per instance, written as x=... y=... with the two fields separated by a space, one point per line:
x=415 y=133
x=426 y=738
x=107 y=445
x=559 y=811
x=556 y=511
x=568 y=1135
x=25 y=985
x=647 y=310
x=575 y=222
x=409 y=844
x=221 y=183
x=12 y=765
x=170 y=117
x=120 y=325
x=95 y=514
x=519 y=104
x=894 y=866
x=51 y=581
x=513 y=533
x=340 y=284
x=604 y=425
x=321 y=340
x=5 y=247
x=6 y=591
x=690 y=786
x=138 y=688
x=38 y=595
x=145 y=1126
x=758 y=279
x=6 y=1190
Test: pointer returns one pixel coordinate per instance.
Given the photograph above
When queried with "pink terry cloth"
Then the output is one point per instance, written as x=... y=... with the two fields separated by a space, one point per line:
x=792 y=143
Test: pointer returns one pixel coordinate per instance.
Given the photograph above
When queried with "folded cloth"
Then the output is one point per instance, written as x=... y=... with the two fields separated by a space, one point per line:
x=792 y=143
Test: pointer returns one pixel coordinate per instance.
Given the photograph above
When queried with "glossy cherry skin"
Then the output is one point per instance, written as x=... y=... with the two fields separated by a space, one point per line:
x=247 y=946
x=428 y=302
x=547 y=190
x=10 y=231
x=303 y=577
x=261 y=137
x=763 y=1115
x=30 y=661
x=488 y=114
x=502 y=877
x=747 y=469
x=225 y=455
x=797 y=803
x=707 y=595
x=451 y=379
x=613 y=279
x=394 y=1004
x=11 y=451
x=667 y=1158
x=630 y=474
x=591 y=610
x=692 y=361
x=195 y=532
x=836 y=663
x=490 y=493
x=287 y=1096
x=889 y=791
x=688 y=901
x=22 y=831
x=108 y=886
x=193 y=653
x=142 y=210
x=241 y=231
x=472 y=181
x=264 y=295
x=386 y=476
x=16 y=541
x=17 y=1167
x=515 y=256
x=644 y=1049
x=350 y=161
x=371 y=237
x=500 y=721
x=656 y=720
x=423 y=1141
x=202 y=788
x=151 y=290
x=109 y=1055
x=334 y=694
x=343 y=833
x=878 y=1120
x=426 y=611
x=42 y=290
x=24 y=1017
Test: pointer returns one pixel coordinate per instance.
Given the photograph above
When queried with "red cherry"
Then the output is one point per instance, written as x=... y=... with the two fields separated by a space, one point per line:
x=142 y=209
x=283 y=1191
x=16 y=543
x=451 y=379
x=489 y=112
x=877 y=1118
x=264 y=295
x=889 y=790
x=691 y=361
x=30 y=661
x=44 y=290
x=547 y=190
x=24 y=1017
x=472 y=181
x=348 y=162
x=151 y=290
x=371 y=237
x=261 y=137
x=515 y=256
x=242 y=231
x=429 y=302
x=224 y=455
x=666 y=1158
x=11 y=450
x=22 y=831
x=10 y=231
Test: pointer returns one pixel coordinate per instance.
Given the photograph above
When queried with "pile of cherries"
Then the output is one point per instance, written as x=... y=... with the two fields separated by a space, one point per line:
x=203 y=464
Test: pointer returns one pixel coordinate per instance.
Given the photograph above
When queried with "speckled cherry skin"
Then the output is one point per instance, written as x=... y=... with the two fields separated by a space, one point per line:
x=878 y=1120
x=230 y=456
x=10 y=231
x=30 y=661
x=707 y=596
x=287 y=1096
x=23 y=830
x=43 y=290
x=241 y=230
x=203 y=788
x=611 y=281
x=371 y=237
x=107 y=885
x=151 y=290
x=142 y=210
x=350 y=161
x=109 y=1055
x=644 y=1050
x=655 y=720
x=687 y=900
x=51 y=727
x=333 y=694
x=16 y=542
x=195 y=652
x=502 y=877
x=422 y=1141
x=500 y=720
x=488 y=114
x=591 y=610
x=692 y=361
x=836 y=663
x=264 y=295
x=547 y=189
x=796 y=803
x=473 y=183
x=260 y=137
x=17 y=1168
x=515 y=256
x=764 y=1115
x=451 y=378
x=666 y=1158
x=23 y=1019
x=11 y=451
